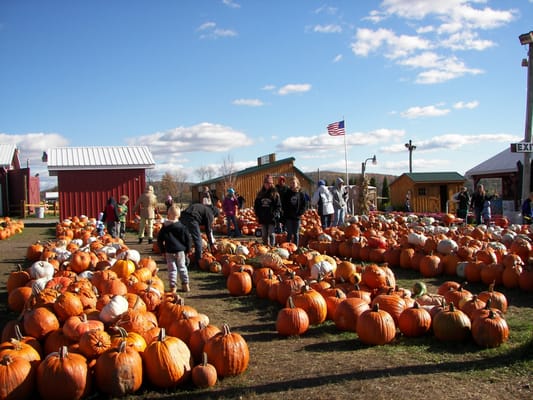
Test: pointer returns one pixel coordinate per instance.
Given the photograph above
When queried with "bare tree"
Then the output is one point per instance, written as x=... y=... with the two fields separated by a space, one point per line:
x=227 y=171
x=175 y=185
x=168 y=185
x=205 y=172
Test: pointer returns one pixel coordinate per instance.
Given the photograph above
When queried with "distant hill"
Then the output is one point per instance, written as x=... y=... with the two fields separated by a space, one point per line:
x=330 y=176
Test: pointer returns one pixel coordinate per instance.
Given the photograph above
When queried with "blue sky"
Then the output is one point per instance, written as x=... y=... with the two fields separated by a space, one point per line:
x=213 y=83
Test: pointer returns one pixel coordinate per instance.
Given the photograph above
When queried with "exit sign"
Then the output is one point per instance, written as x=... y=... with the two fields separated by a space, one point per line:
x=522 y=147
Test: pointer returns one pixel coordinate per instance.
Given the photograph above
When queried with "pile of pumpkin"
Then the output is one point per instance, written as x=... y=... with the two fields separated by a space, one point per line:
x=363 y=298
x=94 y=316
x=10 y=227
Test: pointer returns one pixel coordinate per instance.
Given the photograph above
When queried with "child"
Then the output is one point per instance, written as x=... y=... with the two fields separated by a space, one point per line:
x=174 y=241
x=486 y=213
x=122 y=215
x=100 y=226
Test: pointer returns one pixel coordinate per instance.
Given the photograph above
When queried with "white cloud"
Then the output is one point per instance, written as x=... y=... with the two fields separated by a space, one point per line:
x=326 y=10
x=294 y=88
x=248 y=102
x=202 y=137
x=317 y=144
x=331 y=28
x=369 y=41
x=451 y=141
x=453 y=25
x=31 y=147
x=268 y=87
x=469 y=105
x=337 y=58
x=206 y=26
x=231 y=4
x=459 y=13
x=210 y=31
x=427 y=111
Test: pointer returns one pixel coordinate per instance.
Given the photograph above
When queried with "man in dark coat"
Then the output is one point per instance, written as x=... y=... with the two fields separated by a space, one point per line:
x=193 y=217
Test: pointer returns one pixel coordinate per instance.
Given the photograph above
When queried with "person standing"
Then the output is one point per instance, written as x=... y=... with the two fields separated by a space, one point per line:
x=206 y=199
x=340 y=195
x=146 y=205
x=527 y=210
x=174 y=241
x=169 y=201
x=110 y=217
x=241 y=200
x=282 y=189
x=193 y=217
x=323 y=201
x=477 y=202
x=293 y=205
x=408 y=201
x=122 y=215
x=463 y=201
x=230 y=206
x=267 y=207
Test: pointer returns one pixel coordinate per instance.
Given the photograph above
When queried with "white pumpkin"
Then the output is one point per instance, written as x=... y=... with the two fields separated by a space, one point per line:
x=42 y=269
x=130 y=254
x=117 y=306
x=282 y=252
x=416 y=239
x=447 y=246
x=242 y=250
x=321 y=268
x=460 y=268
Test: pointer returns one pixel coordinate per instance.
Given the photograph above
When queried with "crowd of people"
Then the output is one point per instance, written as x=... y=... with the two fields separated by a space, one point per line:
x=278 y=207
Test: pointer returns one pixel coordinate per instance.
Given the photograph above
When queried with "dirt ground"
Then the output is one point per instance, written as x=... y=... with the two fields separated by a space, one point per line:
x=325 y=363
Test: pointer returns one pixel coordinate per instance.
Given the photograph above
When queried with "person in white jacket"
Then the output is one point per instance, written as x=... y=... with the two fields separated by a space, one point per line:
x=340 y=195
x=323 y=200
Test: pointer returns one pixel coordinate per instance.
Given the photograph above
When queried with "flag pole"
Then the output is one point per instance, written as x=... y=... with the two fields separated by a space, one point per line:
x=345 y=153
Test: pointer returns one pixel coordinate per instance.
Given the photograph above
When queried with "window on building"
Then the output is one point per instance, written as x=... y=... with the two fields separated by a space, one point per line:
x=421 y=191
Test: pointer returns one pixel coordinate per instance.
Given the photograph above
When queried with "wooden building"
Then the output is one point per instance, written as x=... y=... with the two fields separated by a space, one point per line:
x=88 y=176
x=428 y=191
x=249 y=181
x=506 y=166
x=17 y=185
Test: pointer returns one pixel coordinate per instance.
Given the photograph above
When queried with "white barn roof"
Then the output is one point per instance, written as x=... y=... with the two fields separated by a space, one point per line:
x=502 y=163
x=6 y=155
x=99 y=157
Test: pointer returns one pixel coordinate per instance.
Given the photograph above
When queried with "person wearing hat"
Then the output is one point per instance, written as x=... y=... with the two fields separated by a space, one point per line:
x=146 y=205
x=267 y=207
x=323 y=201
x=193 y=217
x=339 y=202
x=230 y=207
x=122 y=207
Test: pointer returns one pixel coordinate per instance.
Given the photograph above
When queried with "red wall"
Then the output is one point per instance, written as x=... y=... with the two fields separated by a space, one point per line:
x=86 y=192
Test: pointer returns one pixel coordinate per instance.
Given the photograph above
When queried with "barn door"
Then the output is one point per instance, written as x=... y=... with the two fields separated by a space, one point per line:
x=443 y=197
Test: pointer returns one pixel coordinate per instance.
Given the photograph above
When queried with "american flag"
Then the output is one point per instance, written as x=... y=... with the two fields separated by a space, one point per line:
x=336 y=128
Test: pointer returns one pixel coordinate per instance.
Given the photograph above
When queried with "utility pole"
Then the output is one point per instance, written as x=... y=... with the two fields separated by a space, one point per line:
x=410 y=147
x=527 y=38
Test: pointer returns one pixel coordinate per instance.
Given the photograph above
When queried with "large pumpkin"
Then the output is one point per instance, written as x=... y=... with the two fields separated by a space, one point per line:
x=375 y=326
x=228 y=352
x=118 y=371
x=63 y=375
x=168 y=361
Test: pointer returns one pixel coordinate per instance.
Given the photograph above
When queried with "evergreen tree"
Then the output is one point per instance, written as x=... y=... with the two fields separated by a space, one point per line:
x=385 y=194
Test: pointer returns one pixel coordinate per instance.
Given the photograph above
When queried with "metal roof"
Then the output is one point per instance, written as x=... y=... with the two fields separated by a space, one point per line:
x=7 y=152
x=253 y=169
x=430 y=177
x=502 y=163
x=99 y=157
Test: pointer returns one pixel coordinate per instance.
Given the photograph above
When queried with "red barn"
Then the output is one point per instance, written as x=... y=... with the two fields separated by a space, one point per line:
x=17 y=185
x=88 y=176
